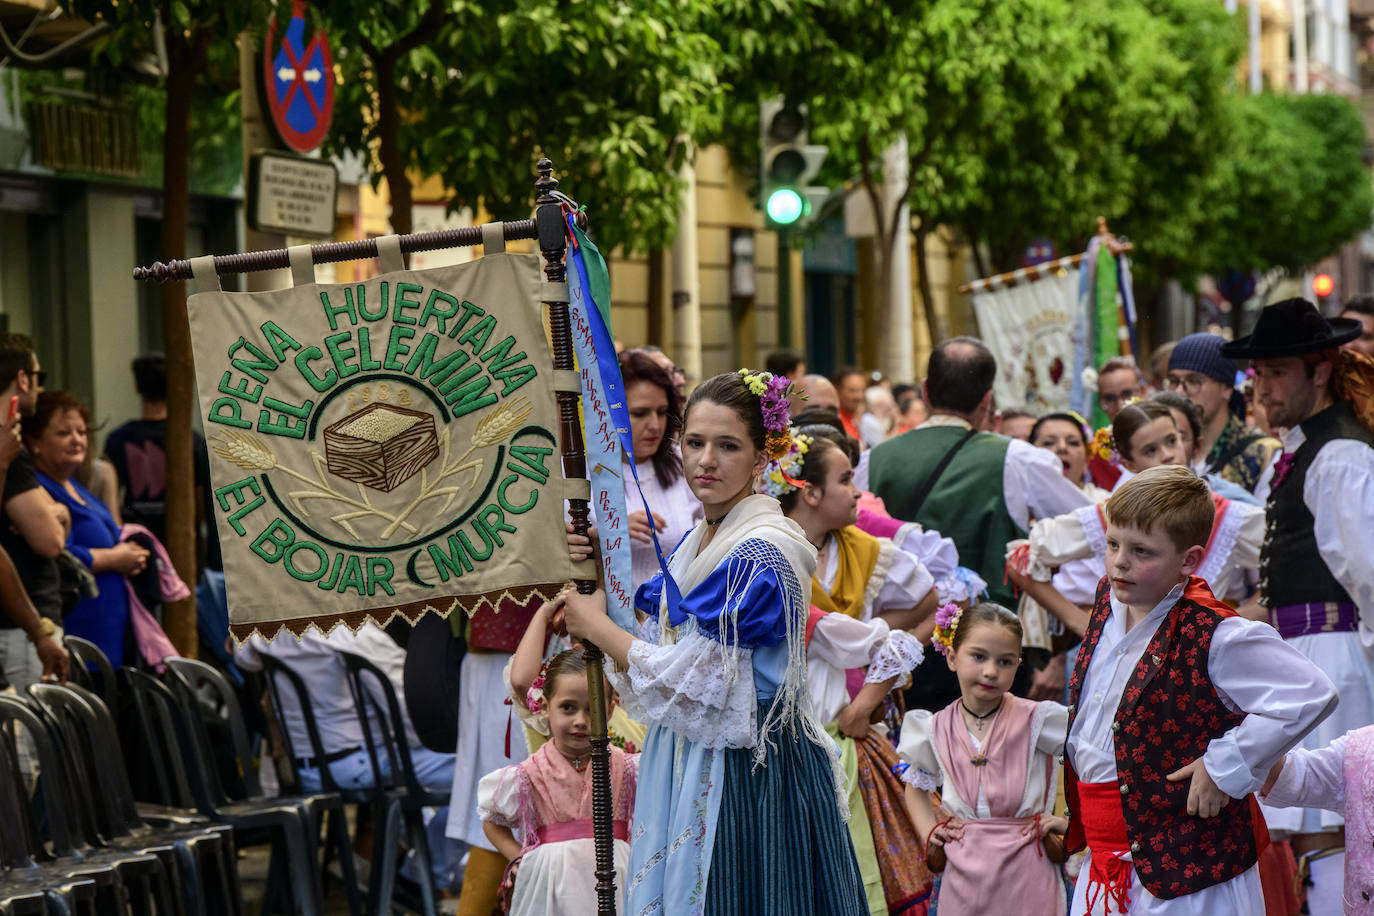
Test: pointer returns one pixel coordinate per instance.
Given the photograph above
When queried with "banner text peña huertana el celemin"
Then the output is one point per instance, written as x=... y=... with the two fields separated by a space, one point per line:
x=434 y=338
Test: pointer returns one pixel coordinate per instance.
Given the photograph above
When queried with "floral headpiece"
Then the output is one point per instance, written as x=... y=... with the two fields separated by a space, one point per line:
x=1103 y=446
x=784 y=474
x=773 y=393
x=534 y=697
x=946 y=622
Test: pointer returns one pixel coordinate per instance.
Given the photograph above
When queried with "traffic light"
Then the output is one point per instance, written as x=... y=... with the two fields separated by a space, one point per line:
x=1323 y=285
x=787 y=163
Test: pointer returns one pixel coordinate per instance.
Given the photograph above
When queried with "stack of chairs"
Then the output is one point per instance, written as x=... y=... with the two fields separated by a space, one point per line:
x=82 y=844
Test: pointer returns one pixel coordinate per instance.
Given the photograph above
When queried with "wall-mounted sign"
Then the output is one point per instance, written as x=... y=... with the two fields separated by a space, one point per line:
x=298 y=80
x=292 y=195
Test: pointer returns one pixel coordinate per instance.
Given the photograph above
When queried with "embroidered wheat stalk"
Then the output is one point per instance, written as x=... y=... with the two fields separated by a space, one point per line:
x=251 y=453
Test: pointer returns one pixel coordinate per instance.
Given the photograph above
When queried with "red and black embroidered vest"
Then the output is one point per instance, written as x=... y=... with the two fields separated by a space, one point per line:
x=1168 y=713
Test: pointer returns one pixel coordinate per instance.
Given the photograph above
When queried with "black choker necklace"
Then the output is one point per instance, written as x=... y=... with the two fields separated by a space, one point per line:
x=975 y=715
x=713 y=522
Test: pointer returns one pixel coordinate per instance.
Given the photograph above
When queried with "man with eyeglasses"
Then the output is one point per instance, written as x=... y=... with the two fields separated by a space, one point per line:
x=1227 y=446
x=34 y=526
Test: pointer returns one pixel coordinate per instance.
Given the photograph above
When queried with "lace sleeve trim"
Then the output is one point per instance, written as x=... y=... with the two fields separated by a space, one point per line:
x=1223 y=543
x=695 y=687
x=898 y=654
x=915 y=776
x=1093 y=531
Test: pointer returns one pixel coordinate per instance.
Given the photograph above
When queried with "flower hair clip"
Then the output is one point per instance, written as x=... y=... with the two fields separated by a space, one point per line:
x=1103 y=445
x=773 y=393
x=946 y=623
x=534 y=697
x=783 y=475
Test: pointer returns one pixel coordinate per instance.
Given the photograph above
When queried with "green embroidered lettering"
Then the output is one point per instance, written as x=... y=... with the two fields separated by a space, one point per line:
x=280 y=341
x=332 y=312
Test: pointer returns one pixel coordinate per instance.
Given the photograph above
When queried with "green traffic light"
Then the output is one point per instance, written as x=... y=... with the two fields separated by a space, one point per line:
x=785 y=206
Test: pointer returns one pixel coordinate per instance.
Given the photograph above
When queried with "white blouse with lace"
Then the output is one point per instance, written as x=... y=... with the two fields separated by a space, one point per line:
x=1078 y=535
x=840 y=642
x=926 y=770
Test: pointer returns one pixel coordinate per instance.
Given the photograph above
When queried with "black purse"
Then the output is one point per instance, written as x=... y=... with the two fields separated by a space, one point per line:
x=75 y=582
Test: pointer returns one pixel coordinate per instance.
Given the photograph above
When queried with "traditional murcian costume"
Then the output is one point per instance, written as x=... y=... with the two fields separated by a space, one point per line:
x=548 y=802
x=721 y=681
x=1316 y=566
x=862 y=576
x=1233 y=549
x=1338 y=777
x=1192 y=680
x=998 y=787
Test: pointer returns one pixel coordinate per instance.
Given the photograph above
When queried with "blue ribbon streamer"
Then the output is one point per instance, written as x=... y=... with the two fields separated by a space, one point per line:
x=612 y=386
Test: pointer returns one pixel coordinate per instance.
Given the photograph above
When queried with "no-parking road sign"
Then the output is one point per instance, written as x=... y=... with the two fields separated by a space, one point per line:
x=299 y=82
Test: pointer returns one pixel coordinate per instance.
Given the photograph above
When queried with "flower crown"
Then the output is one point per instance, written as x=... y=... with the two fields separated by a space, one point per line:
x=946 y=623
x=773 y=393
x=534 y=697
x=783 y=475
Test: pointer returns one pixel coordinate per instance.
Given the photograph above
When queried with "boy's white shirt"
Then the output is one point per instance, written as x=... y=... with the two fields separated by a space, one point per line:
x=1253 y=671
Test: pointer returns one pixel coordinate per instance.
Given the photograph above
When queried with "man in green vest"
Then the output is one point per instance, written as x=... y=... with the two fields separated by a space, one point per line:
x=977 y=488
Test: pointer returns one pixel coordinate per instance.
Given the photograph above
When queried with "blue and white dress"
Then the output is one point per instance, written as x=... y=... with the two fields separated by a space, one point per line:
x=739 y=808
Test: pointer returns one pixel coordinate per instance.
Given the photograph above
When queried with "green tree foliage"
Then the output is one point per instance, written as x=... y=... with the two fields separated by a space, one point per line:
x=1029 y=118
x=605 y=90
x=1289 y=187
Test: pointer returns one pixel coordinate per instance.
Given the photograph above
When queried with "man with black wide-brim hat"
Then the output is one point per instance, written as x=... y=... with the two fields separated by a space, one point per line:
x=1316 y=566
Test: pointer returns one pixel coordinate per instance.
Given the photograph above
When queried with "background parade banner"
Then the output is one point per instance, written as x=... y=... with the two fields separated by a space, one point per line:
x=384 y=446
x=1029 y=328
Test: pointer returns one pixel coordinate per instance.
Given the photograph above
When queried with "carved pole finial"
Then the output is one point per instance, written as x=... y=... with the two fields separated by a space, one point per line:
x=546 y=184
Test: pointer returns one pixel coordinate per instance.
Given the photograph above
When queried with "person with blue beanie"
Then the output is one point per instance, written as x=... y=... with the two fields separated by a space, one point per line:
x=1227 y=446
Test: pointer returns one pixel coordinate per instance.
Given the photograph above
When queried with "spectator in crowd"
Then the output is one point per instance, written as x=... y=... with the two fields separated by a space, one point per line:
x=850 y=384
x=815 y=391
x=878 y=419
x=34 y=526
x=55 y=435
x=1159 y=364
x=666 y=363
x=1361 y=308
x=1118 y=382
x=317 y=661
x=17 y=612
x=137 y=450
x=655 y=423
x=1015 y=424
x=911 y=410
x=788 y=364
x=1226 y=446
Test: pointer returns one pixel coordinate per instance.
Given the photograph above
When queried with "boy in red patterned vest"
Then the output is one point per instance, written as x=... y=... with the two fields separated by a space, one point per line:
x=1179 y=707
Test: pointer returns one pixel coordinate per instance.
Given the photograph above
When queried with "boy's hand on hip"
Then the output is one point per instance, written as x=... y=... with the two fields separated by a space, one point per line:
x=1204 y=798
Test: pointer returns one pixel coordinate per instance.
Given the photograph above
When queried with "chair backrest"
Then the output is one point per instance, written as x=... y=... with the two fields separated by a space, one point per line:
x=92 y=669
x=68 y=720
x=194 y=675
x=180 y=778
x=383 y=722
x=56 y=803
x=279 y=677
x=105 y=769
x=17 y=839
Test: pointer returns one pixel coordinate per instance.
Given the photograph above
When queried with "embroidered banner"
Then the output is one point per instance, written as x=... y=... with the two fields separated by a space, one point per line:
x=1029 y=328
x=382 y=447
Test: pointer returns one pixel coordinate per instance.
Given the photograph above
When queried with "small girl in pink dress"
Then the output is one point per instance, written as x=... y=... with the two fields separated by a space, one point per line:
x=548 y=799
x=1340 y=778
x=993 y=757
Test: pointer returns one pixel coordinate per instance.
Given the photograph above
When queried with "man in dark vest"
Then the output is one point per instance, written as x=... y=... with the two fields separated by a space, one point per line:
x=977 y=488
x=1316 y=566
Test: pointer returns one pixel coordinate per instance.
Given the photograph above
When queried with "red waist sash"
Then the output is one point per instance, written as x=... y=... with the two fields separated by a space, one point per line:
x=578 y=830
x=1104 y=829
